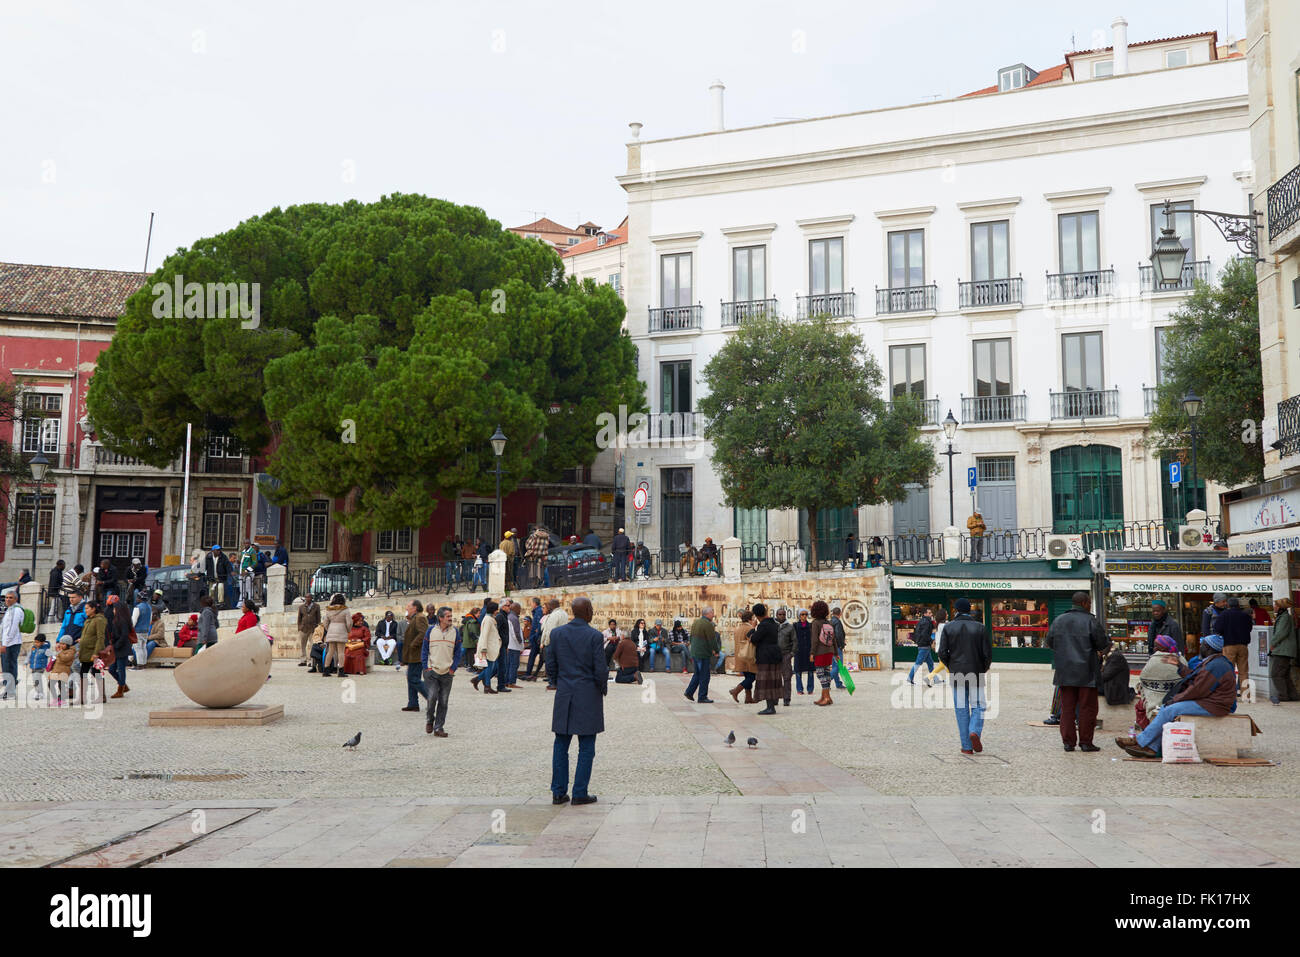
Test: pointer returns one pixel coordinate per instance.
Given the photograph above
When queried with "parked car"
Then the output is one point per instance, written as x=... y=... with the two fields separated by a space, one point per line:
x=578 y=565
x=352 y=579
x=171 y=580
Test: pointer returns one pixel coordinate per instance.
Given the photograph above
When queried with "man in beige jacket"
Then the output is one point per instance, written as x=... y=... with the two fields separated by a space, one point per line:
x=555 y=617
x=440 y=657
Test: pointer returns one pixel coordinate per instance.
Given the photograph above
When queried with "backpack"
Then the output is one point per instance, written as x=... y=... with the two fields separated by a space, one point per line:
x=827 y=636
x=28 y=624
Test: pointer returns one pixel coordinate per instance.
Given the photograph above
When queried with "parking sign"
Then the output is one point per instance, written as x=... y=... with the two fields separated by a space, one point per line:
x=1175 y=473
x=972 y=479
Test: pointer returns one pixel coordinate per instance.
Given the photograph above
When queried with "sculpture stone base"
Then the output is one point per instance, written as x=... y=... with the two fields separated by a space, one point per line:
x=194 y=716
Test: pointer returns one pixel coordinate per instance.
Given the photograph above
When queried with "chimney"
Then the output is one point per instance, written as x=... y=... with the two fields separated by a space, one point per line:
x=636 y=130
x=716 y=90
x=1120 y=43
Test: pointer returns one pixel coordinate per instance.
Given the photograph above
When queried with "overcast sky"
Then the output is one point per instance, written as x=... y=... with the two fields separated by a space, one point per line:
x=207 y=113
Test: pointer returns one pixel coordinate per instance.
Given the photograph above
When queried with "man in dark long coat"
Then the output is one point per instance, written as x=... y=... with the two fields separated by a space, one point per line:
x=576 y=657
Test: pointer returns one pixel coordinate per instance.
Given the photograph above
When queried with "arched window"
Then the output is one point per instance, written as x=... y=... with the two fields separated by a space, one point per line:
x=1087 y=488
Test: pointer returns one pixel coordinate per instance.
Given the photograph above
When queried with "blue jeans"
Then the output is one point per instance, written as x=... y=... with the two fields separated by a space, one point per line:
x=534 y=656
x=9 y=665
x=803 y=668
x=700 y=679
x=969 y=703
x=668 y=657
x=620 y=567
x=644 y=565
x=489 y=672
x=1152 y=736
x=479 y=577
x=414 y=685
x=722 y=660
x=512 y=665
x=923 y=656
x=232 y=592
x=118 y=670
x=560 y=764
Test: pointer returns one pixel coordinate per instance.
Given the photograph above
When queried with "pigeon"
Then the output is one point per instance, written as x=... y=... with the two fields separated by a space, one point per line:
x=730 y=739
x=753 y=742
x=353 y=741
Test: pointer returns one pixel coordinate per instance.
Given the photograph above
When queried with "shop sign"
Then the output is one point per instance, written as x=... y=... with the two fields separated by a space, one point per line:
x=1264 y=543
x=1265 y=512
x=1191 y=586
x=992 y=584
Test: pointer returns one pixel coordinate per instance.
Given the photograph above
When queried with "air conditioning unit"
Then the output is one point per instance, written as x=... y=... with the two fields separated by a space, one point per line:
x=1064 y=546
x=1195 y=538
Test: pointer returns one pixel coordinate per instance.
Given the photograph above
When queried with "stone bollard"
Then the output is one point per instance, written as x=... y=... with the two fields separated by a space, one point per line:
x=381 y=576
x=731 y=564
x=497 y=573
x=275 y=577
x=952 y=544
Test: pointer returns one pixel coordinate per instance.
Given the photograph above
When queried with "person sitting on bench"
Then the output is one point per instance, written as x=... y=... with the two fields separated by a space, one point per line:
x=1210 y=690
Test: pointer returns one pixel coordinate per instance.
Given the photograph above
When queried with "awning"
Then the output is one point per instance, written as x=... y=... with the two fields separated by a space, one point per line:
x=993 y=584
x=1201 y=585
x=1264 y=543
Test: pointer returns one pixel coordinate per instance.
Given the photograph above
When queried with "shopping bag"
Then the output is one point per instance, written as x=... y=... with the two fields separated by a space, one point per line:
x=845 y=676
x=1178 y=744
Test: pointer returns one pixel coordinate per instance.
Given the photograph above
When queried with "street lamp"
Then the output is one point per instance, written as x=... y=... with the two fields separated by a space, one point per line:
x=1169 y=254
x=950 y=430
x=1192 y=406
x=39 y=466
x=498 y=441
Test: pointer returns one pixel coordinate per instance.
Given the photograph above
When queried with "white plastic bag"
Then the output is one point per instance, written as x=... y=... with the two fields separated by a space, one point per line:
x=1178 y=743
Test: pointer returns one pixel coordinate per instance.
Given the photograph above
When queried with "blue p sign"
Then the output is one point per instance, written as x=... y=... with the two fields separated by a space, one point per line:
x=1175 y=473
x=971 y=478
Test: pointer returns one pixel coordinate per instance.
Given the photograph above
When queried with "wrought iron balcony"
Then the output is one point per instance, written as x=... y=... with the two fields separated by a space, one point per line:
x=837 y=305
x=224 y=464
x=1288 y=426
x=673 y=425
x=993 y=408
x=990 y=292
x=907 y=299
x=1284 y=206
x=1192 y=272
x=1088 y=404
x=676 y=318
x=1065 y=286
x=63 y=457
x=929 y=410
x=734 y=313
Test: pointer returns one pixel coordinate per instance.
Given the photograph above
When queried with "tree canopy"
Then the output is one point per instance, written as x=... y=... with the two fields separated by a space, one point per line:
x=797 y=420
x=1213 y=350
x=393 y=337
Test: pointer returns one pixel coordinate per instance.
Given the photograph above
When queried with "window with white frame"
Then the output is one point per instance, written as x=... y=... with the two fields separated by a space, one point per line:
x=309 y=526
x=615 y=281
x=23 y=514
x=42 y=421
x=394 y=540
x=1012 y=78
x=223 y=447
x=122 y=545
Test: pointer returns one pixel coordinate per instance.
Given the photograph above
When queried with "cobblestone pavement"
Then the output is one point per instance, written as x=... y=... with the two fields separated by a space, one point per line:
x=866 y=781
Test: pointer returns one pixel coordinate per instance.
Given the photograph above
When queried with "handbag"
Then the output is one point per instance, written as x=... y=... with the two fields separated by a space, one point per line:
x=107 y=655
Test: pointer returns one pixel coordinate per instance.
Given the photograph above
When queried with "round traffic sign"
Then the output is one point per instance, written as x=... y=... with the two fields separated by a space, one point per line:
x=640 y=498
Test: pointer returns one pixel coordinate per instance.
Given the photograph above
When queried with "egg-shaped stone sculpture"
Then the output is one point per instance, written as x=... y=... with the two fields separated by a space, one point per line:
x=228 y=673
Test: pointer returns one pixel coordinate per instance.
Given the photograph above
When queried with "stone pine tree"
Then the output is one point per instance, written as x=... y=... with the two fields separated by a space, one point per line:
x=392 y=339
x=1213 y=350
x=797 y=420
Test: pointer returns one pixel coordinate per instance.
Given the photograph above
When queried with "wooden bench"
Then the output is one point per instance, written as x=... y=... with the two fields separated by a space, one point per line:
x=169 y=656
x=1222 y=737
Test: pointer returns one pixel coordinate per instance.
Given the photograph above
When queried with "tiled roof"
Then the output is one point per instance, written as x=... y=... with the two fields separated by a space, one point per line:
x=616 y=238
x=545 y=225
x=1052 y=74
x=66 y=290
x=1146 y=43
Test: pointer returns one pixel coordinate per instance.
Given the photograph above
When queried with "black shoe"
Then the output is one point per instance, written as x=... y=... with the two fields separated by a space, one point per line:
x=1069 y=747
x=1052 y=721
x=589 y=799
x=768 y=710
x=688 y=698
x=705 y=701
x=1089 y=747
x=787 y=702
x=562 y=799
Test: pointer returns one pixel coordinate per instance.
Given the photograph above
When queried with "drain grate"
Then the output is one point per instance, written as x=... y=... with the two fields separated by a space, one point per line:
x=171 y=776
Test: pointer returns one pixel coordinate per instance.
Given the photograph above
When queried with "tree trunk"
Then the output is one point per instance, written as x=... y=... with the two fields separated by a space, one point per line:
x=348 y=542
x=812 y=538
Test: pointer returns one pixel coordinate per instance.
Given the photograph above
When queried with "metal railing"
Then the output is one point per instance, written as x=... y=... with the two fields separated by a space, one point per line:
x=676 y=318
x=907 y=299
x=1150 y=397
x=994 y=408
x=1284 y=204
x=1032 y=543
x=837 y=305
x=990 y=292
x=734 y=313
x=1192 y=273
x=1091 y=404
x=1064 y=286
x=929 y=410
x=64 y=457
x=672 y=425
x=1288 y=425
x=223 y=465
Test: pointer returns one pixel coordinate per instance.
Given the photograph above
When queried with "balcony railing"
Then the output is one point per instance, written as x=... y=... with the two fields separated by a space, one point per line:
x=837 y=305
x=1192 y=273
x=673 y=425
x=64 y=457
x=1080 y=285
x=1091 y=404
x=676 y=318
x=994 y=408
x=734 y=313
x=907 y=299
x=990 y=292
x=1284 y=204
x=223 y=464
x=1288 y=426
x=929 y=410
x=1149 y=400
x=1031 y=543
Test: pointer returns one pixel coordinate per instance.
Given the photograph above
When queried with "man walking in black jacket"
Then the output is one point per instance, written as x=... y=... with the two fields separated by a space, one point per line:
x=968 y=652
x=923 y=635
x=1234 y=624
x=1077 y=640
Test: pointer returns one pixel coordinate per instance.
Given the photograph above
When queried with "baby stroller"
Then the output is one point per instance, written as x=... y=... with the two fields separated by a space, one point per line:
x=317 y=658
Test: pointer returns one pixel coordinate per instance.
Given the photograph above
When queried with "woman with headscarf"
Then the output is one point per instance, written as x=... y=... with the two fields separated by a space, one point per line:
x=802 y=664
x=1113 y=680
x=358 y=646
x=745 y=660
x=1161 y=672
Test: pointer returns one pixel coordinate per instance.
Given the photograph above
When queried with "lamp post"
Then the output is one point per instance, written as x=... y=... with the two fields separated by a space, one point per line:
x=1192 y=406
x=950 y=430
x=39 y=466
x=1169 y=254
x=498 y=441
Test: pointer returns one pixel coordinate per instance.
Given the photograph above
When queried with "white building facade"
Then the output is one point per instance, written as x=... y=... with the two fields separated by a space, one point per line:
x=993 y=253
